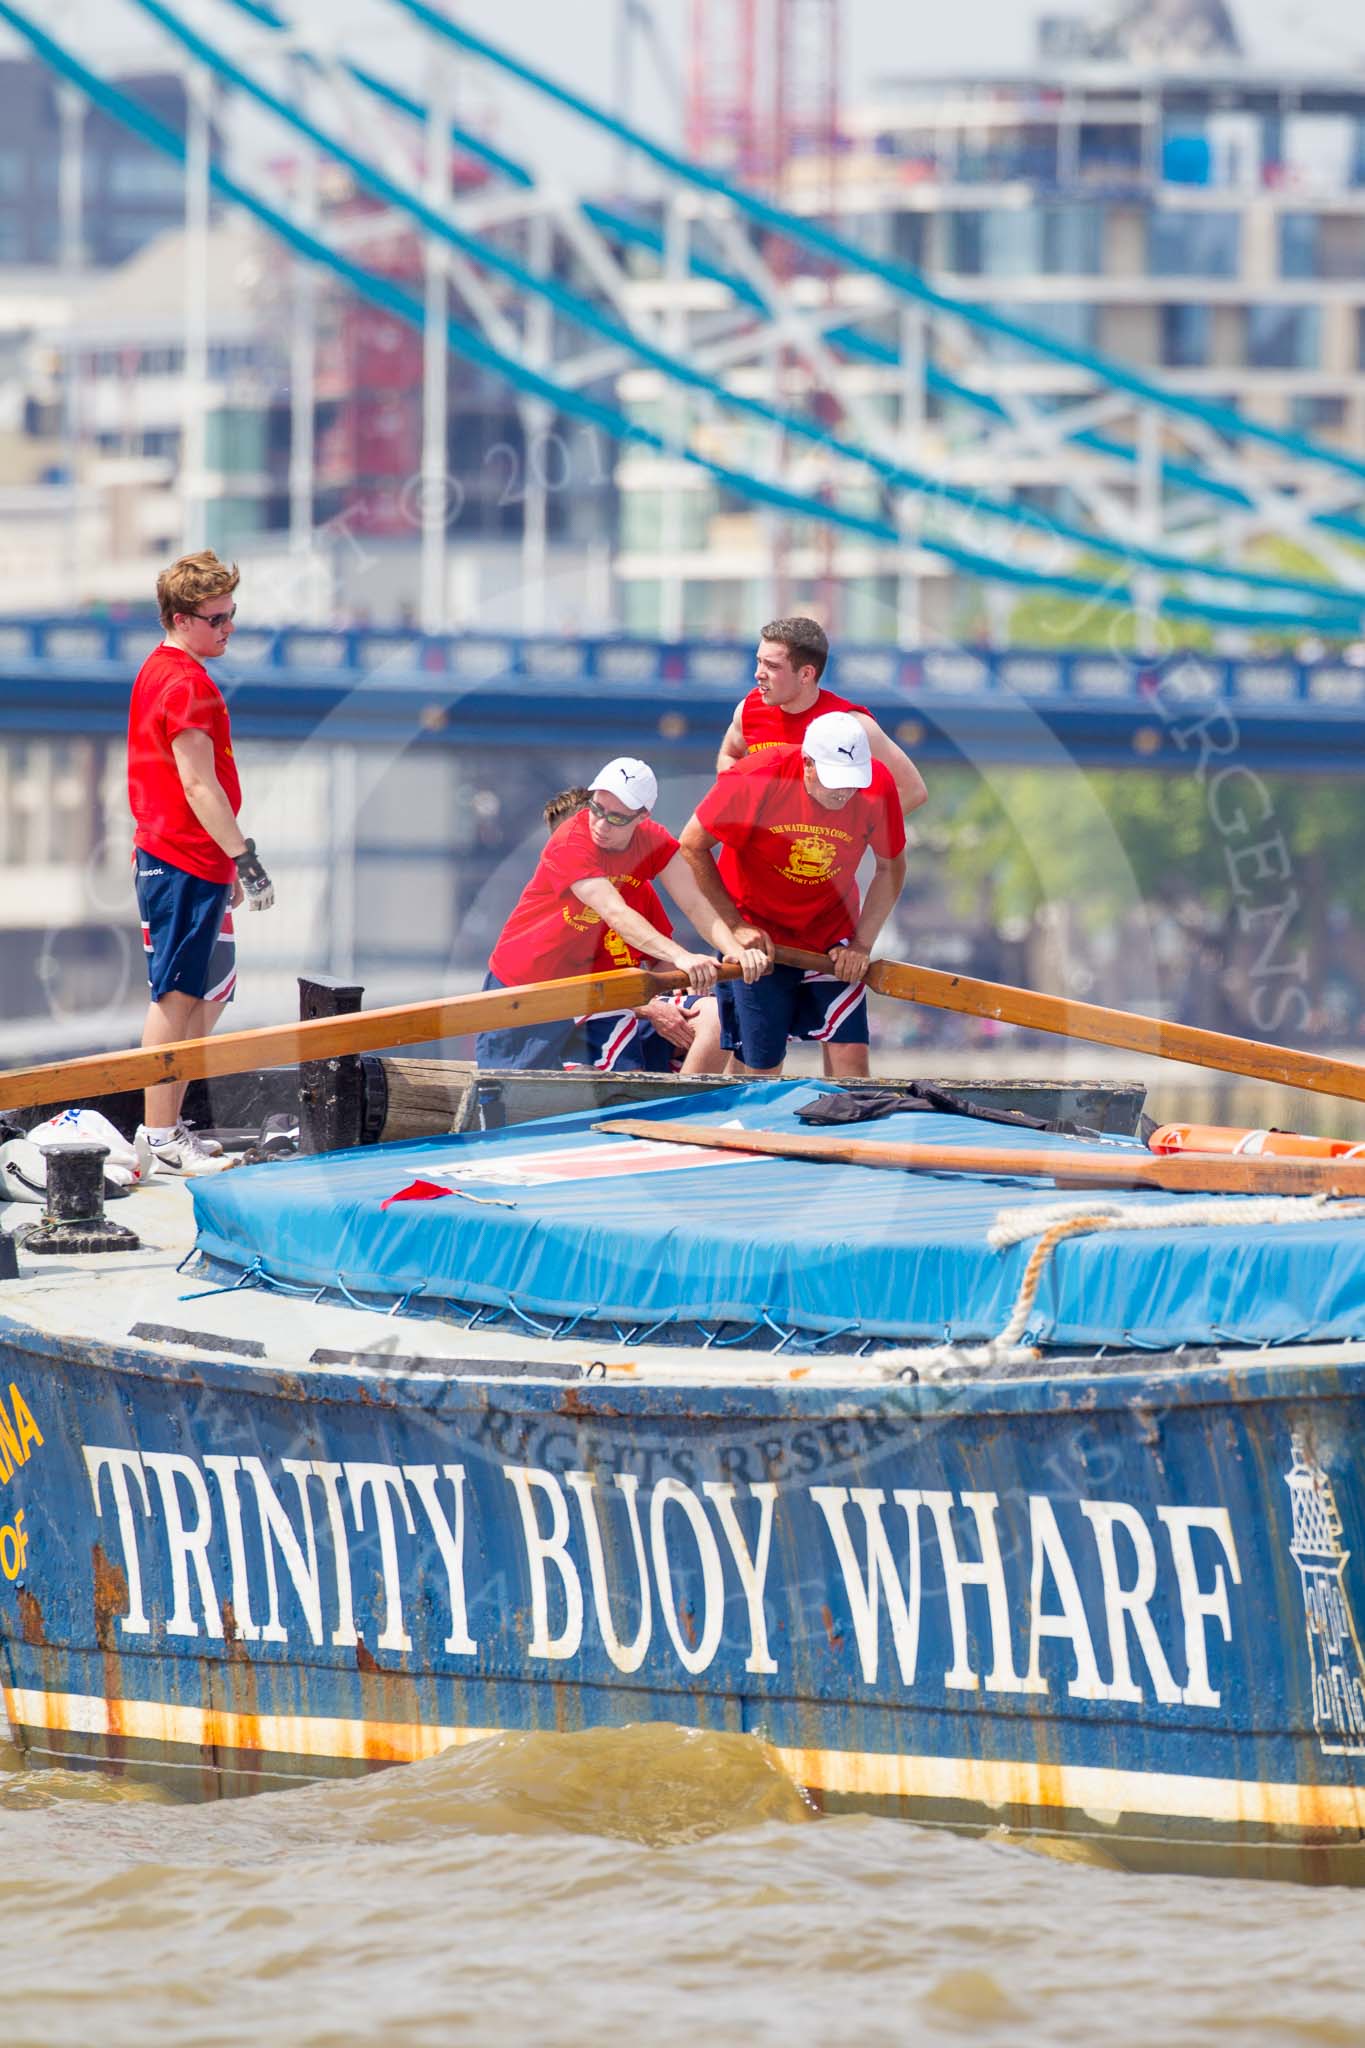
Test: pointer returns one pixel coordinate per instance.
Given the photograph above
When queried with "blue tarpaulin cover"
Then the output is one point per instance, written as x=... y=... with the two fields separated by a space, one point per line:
x=559 y=1221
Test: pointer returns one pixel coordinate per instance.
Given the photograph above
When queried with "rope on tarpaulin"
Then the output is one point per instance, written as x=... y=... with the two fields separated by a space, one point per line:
x=1053 y=1223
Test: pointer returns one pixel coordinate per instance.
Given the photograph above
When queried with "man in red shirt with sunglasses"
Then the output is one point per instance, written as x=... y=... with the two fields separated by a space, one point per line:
x=594 y=872
x=192 y=863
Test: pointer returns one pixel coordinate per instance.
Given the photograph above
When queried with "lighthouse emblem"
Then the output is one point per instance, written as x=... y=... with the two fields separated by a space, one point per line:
x=1333 y=1645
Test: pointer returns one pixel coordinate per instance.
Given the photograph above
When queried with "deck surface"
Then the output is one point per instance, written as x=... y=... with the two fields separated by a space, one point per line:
x=105 y=1298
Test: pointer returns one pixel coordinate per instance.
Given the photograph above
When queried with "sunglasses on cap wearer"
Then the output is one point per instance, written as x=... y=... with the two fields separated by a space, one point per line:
x=613 y=817
x=216 y=619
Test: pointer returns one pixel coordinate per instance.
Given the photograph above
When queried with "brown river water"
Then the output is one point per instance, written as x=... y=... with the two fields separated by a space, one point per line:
x=640 y=1885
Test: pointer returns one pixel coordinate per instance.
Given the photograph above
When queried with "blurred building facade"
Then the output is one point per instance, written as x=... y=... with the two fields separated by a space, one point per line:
x=1144 y=192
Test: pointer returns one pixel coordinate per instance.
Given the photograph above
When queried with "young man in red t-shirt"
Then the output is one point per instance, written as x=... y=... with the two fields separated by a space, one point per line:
x=192 y=865
x=656 y=1036
x=592 y=873
x=793 y=824
x=787 y=695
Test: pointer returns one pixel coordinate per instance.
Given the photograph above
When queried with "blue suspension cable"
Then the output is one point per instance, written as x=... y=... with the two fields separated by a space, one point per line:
x=610 y=222
x=894 y=475
x=403 y=103
x=853 y=341
x=909 y=283
x=465 y=341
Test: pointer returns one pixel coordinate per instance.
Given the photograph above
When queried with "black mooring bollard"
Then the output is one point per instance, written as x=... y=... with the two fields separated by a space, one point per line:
x=9 y=1257
x=331 y=1092
x=75 y=1220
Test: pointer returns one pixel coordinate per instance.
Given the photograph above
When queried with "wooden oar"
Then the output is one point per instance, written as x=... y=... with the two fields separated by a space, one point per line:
x=238 y=1052
x=1212 y=1173
x=1125 y=1028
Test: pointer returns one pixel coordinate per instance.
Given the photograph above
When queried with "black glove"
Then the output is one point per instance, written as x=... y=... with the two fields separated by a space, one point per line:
x=260 y=890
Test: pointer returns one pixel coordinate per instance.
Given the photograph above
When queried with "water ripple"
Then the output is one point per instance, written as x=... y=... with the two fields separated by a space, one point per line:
x=640 y=1883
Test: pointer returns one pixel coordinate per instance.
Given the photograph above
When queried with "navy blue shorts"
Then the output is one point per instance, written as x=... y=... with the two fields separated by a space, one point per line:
x=186 y=931
x=619 y=1042
x=560 y=1043
x=758 y=1017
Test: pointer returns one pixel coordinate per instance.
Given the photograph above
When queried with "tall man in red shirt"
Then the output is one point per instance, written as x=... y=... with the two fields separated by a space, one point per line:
x=793 y=824
x=596 y=868
x=787 y=695
x=191 y=862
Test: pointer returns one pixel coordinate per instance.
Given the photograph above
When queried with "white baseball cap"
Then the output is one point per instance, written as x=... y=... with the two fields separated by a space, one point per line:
x=838 y=746
x=630 y=780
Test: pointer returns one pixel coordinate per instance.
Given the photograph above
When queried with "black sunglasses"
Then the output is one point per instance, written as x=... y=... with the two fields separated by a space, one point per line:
x=613 y=817
x=216 y=619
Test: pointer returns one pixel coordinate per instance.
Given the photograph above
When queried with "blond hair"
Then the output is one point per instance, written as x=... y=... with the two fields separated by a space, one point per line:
x=185 y=585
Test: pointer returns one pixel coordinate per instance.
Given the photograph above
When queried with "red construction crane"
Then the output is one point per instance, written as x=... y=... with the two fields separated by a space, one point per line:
x=724 y=125
x=805 y=121
x=763 y=86
x=764 y=105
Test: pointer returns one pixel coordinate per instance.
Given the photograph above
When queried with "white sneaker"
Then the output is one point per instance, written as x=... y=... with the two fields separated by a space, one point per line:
x=182 y=1154
x=207 y=1145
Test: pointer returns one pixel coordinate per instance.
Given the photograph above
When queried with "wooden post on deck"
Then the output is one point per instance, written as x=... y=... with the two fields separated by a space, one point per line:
x=331 y=1092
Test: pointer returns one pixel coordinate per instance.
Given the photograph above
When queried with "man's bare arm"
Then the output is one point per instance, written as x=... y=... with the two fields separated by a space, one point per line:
x=851 y=962
x=605 y=898
x=906 y=776
x=732 y=747
x=193 y=752
x=721 y=925
x=695 y=844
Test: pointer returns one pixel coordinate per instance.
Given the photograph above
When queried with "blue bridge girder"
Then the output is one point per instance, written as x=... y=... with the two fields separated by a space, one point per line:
x=395 y=687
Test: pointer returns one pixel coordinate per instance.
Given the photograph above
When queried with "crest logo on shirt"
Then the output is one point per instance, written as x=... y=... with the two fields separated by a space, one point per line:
x=810 y=859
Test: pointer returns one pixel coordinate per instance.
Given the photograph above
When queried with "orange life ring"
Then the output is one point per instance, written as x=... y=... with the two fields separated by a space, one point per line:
x=1250 y=1144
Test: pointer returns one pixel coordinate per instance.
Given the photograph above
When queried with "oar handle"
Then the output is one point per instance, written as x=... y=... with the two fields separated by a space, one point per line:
x=796 y=956
x=1127 y=1029
x=240 y=1052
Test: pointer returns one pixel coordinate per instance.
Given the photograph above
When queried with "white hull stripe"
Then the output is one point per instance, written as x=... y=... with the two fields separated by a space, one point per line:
x=1104 y=1795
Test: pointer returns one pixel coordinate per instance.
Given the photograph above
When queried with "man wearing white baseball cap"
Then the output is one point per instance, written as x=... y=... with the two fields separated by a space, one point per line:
x=793 y=823
x=595 y=868
x=789 y=694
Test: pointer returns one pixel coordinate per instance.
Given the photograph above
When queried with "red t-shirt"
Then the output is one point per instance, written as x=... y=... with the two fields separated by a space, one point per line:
x=174 y=693
x=790 y=864
x=765 y=725
x=551 y=932
x=612 y=950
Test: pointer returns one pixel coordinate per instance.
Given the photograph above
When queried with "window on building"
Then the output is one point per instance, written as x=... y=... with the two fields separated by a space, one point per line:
x=1074 y=325
x=1322 y=245
x=1109 y=149
x=909 y=234
x=966 y=243
x=991 y=157
x=1322 y=413
x=143 y=174
x=1282 y=337
x=1186 y=336
x=1192 y=243
x=996 y=242
x=1298 y=245
x=1072 y=240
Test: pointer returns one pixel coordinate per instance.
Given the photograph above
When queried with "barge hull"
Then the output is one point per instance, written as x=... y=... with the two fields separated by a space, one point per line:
x=1119 y=1609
